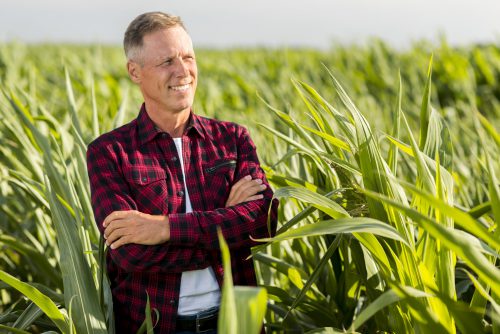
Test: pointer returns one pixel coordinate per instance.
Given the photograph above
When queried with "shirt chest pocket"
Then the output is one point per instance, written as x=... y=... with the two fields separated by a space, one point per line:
x=148 y=188
x=219 y=177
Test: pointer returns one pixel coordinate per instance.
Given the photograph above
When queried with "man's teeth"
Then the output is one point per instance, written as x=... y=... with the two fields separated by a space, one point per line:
x=180 y=88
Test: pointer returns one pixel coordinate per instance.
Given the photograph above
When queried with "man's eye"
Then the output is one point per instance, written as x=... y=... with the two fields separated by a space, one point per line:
x=166 y=62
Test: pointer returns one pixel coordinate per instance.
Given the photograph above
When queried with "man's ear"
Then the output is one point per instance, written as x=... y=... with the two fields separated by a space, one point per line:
x=134 y=71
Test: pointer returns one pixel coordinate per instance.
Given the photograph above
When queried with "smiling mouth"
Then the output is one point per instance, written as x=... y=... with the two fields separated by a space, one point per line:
x=180 y=88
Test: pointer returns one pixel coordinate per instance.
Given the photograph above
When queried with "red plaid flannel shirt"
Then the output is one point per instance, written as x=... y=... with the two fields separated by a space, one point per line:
x=136 y=167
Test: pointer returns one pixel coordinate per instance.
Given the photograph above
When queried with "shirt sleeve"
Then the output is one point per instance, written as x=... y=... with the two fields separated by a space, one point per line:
x=110 y=192
x=238 y=223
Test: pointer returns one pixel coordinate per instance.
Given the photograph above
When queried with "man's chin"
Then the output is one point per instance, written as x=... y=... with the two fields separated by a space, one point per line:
x=182 y=109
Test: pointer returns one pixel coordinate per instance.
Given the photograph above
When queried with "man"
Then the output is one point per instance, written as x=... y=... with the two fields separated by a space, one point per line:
x=164 y=183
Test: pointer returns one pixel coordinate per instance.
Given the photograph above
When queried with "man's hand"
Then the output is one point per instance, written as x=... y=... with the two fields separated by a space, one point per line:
x=125 y=227
x=245 y=190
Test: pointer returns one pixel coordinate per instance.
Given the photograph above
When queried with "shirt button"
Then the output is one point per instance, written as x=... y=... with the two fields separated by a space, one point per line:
x=174 y=159
x=163 y=134
x=180 y=193
x=144 y=179
x=172 y=301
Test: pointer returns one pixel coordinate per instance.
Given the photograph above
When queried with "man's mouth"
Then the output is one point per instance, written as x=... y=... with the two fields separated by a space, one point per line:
x=180 y=88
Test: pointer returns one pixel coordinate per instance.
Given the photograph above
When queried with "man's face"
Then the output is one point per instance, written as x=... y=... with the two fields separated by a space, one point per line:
x=167 y=73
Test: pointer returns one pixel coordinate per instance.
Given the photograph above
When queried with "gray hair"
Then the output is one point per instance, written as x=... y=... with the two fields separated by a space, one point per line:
x=145 y=24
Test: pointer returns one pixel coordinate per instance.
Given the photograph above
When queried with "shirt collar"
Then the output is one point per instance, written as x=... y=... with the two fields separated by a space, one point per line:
x=147 y=130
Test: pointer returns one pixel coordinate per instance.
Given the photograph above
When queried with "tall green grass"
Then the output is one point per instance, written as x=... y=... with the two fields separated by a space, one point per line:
x=409 y=280
x=388 y=184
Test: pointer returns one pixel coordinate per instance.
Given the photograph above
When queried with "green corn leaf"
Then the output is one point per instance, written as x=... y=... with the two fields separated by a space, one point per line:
x=489 y=128
x=425 y=108
x=460 y=218
x=480 y=210
x=483 y=291
x=329 y=138
x=451 y=240
x=72 y=103
x=40 y=260
x=13 y=330
x=120 y=115
x=387 y=298
x=28 y=317
x=251 y=305
x=42 y=301
x=320 y=202
x=95 y=113
x=315 y=274
x=228 y=317
x=78 y=280
x=393 y=150
x=494 y=191
x=279 y=265
x=242 y=308
x=328 y=330
x=341 y=225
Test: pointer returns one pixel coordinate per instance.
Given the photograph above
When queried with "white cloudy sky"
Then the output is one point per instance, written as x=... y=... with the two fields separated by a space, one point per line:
x=223 y=23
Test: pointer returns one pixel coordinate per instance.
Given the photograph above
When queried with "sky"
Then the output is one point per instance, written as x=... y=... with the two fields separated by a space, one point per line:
x=272 y=23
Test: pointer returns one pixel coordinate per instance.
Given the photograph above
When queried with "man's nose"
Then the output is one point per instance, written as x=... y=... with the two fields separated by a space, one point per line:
x=181 y=68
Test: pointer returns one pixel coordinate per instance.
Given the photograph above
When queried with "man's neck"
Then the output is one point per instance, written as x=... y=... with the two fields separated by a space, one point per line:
x=173 y=123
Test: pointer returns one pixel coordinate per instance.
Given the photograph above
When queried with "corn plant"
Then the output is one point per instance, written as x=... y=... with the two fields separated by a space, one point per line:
x=388 y=220
x=383 y=252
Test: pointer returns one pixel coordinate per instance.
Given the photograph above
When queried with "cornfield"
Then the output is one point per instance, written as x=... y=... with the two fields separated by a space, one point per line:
x=385 y=163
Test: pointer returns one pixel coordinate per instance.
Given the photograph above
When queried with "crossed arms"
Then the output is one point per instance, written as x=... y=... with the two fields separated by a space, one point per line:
x=132 y=226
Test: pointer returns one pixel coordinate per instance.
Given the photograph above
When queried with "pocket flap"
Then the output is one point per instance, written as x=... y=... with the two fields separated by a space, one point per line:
x=145 y=176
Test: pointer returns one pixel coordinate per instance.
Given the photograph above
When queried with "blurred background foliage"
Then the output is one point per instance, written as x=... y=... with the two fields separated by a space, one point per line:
x=369 y=148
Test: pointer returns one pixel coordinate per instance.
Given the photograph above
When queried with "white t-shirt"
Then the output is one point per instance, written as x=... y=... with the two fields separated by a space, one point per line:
x=199 y=288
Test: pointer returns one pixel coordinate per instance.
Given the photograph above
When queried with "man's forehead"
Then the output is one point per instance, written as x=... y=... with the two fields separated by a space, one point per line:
x=171 y=35
x=167 y=42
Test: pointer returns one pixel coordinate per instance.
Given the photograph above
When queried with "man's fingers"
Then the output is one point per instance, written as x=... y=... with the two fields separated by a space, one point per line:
x=126 y=239
x=129 y=223
x=244 y=189
x=112 y=216
x=115 y=224
x=247 y=185
x=241 y=182
x=236 y=189
x=115 y=215
x=253 y=198
x=116 y=235
x=252 y=188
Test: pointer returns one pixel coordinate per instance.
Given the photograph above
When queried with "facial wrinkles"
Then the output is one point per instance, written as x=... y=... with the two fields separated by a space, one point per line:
x=161 y=51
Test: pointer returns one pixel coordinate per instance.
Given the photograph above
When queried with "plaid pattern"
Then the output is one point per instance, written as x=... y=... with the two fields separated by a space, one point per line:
x=136 y=167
